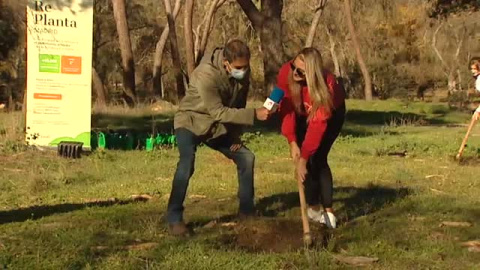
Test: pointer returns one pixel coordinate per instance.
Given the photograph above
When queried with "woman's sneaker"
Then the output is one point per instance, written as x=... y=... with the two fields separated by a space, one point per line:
x=328 y=219
x=314 y=215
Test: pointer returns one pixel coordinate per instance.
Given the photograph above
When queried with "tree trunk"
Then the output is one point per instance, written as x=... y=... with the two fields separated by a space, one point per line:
x=187 y=28
x=459 y=76
x=10 y=103
x=159 y=49
x=177 y=69
x=356 y=45
x=452 y=82
x=128 y=64
x=316 y=19
x=449 y=68
x=101 y=100
x=333 y=53
x=207 y=23
x=268 y=23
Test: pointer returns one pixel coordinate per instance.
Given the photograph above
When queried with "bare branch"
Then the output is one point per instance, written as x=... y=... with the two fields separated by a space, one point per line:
x=207 y=28
x=333 y=52
x=460 y=41
x=220 y=3
x=179 y=75
x=159 y=48
x=252 y=12
x=316 y=19
x=190 y=53
x=163 y=38
x=437 y=52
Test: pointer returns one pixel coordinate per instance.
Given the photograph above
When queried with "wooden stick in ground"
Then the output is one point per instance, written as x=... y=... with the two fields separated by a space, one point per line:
x=307 y=238
x=464 y=142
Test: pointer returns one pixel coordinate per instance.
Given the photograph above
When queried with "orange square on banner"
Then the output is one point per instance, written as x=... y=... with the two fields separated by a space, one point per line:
x=71 y=64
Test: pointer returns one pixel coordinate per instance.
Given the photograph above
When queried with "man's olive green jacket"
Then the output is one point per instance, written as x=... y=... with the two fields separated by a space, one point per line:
x=214 y=103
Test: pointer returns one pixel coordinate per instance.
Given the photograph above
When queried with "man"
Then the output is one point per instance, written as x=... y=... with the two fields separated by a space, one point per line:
x=474 y=66
x=213 y=112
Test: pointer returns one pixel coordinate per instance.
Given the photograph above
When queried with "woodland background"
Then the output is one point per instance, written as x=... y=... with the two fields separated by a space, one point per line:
x=406 y=48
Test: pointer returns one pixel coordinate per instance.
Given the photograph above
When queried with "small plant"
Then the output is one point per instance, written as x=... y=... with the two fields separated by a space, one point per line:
x=249 y=137
x=404 y=121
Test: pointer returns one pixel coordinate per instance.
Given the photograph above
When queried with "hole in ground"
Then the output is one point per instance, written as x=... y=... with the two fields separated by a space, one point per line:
x=272 y=235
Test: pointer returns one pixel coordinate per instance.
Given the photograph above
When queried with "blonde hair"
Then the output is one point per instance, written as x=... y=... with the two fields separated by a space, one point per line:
x=318 y=89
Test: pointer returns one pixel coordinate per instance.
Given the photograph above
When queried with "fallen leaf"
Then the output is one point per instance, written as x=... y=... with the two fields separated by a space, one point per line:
x=228 y=224
x=144 y=197
x=98 y=248
x=474 y=249
x=399 y=154
x=438 y=236
x=53 y=225
x=101 y=200
x=141 y=246
x=355 y=260
x=474 y=243
x=210 y=224
x=12 y=170
x=435 y=176
x=455 y=224
x=197 y=197
x=437 y=191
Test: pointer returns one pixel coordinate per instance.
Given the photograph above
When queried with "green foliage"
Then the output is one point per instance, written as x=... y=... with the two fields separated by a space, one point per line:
x=444 y=8
x=8 y=32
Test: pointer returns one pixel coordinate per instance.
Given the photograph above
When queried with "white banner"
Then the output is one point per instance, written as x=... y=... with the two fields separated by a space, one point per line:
x=59 y=71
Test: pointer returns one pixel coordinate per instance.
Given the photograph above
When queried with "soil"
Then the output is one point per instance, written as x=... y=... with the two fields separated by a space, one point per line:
x=276 y=235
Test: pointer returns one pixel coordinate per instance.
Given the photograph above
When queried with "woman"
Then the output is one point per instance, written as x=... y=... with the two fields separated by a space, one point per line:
x=474 y=66
x=313 y=112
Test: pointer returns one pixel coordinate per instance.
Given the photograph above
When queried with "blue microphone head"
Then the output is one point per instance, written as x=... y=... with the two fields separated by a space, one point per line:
x=277 y=94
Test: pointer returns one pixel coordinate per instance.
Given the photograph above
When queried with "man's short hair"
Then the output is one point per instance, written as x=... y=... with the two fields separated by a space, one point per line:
x=474 y=61
x=235 y=49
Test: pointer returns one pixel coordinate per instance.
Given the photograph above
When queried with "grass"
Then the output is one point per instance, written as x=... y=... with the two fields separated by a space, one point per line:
x=395 y=183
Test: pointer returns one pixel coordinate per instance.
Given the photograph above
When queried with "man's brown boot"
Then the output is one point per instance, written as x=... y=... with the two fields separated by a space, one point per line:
x=179 y=229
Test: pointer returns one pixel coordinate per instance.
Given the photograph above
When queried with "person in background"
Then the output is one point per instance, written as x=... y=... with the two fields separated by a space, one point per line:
x=474 y=66
x=312 y=113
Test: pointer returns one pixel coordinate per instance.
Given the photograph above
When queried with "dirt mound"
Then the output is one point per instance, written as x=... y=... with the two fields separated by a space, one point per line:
x=272 y=235
x=467 y=161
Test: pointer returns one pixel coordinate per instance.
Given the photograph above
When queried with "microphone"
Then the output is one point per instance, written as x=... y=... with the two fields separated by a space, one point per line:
x=274 y=99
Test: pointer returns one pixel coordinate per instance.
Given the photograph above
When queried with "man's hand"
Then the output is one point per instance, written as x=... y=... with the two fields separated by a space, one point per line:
x=235 y=147
x=262 y=113
x=301 y=169
x=294 y=152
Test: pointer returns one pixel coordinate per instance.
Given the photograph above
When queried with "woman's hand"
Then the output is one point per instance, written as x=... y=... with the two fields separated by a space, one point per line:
x=294 y=152
x=476 y=114
x=301 y=169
